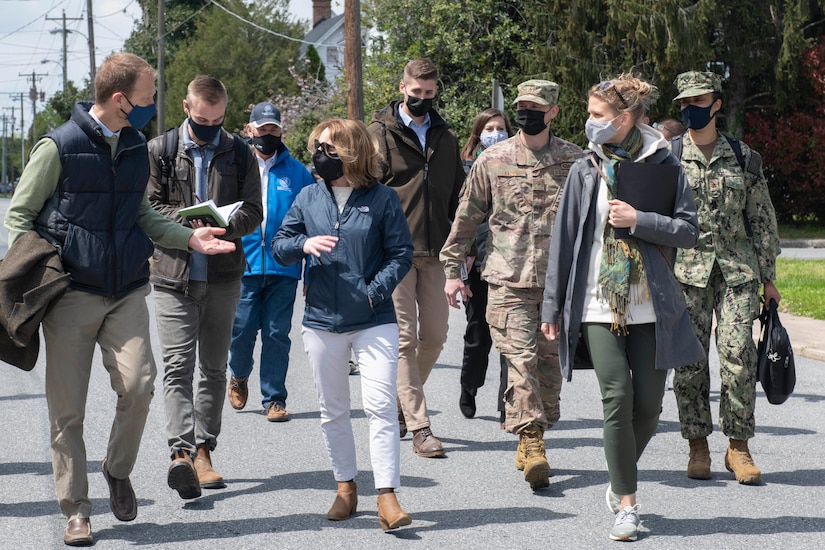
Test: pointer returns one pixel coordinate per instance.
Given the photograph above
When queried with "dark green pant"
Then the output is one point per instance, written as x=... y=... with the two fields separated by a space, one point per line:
x=632 y=390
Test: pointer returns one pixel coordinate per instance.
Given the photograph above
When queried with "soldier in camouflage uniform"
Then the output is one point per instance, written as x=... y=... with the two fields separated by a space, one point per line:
x=737 y=250
x=518 y=183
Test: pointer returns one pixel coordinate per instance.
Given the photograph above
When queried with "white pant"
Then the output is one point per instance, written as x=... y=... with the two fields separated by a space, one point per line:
x=376 y=351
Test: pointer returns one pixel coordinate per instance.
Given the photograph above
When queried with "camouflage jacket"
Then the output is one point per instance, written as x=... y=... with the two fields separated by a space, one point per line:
x=520 y=190
x=728 y=199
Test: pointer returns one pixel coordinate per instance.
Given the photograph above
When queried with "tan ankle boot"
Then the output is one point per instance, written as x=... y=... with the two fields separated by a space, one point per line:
x=699 y=461
x=208 y=477
x=532 y=458
x=738 y=460
x=345 y=503
x=390 y=514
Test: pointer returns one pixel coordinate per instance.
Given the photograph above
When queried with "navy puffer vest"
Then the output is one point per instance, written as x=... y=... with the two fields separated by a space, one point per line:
x=92 y=216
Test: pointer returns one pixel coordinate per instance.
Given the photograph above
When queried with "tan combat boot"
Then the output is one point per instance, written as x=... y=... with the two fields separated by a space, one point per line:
x=699 y=461
x=530 y=455
x=738 y=460
x=346 y=501
x=207 y=476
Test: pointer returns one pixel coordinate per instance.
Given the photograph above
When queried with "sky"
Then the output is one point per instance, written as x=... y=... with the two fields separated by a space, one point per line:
x=26 y=39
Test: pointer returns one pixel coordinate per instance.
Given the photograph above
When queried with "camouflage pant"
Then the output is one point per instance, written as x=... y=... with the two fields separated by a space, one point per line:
x=736 y=308
x=534 y=378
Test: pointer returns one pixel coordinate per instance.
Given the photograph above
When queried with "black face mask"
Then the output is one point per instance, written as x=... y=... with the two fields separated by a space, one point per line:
x=266 y=144
x=531 y=122
x=328 y=168
x=204 y=132
x=419 y=106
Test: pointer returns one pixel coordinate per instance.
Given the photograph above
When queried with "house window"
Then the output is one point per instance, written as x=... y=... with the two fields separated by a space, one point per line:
x=332 y=56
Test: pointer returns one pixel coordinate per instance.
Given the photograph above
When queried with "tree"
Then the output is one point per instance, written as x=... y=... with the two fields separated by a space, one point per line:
x=472 y=42
x=252 y=63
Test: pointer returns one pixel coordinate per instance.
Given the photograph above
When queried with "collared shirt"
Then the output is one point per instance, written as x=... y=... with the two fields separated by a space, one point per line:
x=201 y=156
x=265 y=165
x=420 y=130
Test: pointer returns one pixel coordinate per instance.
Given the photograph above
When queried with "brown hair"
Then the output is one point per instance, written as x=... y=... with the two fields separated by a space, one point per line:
x=354 y=146
x=208 y=89
x=118 y=73
x=422 y=69
x=626 y=93
x=470 y=149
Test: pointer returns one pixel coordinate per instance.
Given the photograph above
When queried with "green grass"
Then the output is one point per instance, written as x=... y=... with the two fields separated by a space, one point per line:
x=805 y=230
x=802 y=285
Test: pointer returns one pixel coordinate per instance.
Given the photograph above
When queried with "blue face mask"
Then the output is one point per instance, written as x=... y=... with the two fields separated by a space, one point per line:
x=140 y=115
x=696 y=117
x=600 y=132
x=489 y=138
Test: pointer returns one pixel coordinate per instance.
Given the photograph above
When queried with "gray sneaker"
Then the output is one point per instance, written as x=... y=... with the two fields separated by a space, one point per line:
x=612 y=500
x=626 y=526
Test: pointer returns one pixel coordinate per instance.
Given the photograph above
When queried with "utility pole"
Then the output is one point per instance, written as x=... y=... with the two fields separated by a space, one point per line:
x=65 y=31
x=161 y=102
x=11 y=176
x=91 y=33
x=35 y=78
x=5 y=177
x=352 y=59
x=22 y=132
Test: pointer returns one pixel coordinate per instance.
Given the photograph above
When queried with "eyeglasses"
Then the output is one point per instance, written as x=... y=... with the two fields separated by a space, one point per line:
x=326 y=149
x=609 y=85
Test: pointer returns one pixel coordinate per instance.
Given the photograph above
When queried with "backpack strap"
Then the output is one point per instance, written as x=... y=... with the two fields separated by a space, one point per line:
x=167 y=157
x=241 y=152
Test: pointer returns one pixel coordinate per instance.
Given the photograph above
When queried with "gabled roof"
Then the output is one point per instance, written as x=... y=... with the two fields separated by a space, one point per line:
x=322 y=30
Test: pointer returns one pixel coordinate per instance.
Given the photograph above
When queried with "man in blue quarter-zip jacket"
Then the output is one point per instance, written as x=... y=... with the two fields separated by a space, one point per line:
x=268 y=288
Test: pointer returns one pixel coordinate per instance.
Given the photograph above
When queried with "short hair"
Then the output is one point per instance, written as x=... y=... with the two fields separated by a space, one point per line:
x=355 y=147
x=673 y=126
x=468 y=152
x=421 y=69
x=208 y=89
x=626 y=93
x=119 y=72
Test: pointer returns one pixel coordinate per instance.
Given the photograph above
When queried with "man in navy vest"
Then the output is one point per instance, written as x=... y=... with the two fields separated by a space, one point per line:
x=83 y=190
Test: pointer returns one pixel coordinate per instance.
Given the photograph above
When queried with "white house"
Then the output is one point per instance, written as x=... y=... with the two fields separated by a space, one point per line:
x=327 y=36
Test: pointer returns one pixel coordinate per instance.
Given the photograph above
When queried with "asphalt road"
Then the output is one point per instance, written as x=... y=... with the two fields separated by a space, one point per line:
x=280 y=483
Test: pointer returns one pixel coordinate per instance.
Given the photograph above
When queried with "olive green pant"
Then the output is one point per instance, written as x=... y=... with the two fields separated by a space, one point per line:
x=632 y=390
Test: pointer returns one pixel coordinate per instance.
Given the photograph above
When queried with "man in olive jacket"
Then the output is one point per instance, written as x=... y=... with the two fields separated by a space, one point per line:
x=196 y=296
x=420 y=159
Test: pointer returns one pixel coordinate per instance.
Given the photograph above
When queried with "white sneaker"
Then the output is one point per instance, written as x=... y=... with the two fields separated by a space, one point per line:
x=626 y=526
x=612 y=500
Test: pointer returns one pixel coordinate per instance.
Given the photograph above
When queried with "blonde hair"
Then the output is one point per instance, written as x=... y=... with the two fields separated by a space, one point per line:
x=626 y=93
x=354 y=146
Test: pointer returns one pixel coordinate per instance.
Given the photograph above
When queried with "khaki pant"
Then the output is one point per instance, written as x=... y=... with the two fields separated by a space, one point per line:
x=73 y=327
x=422 y=313
x=534 y=377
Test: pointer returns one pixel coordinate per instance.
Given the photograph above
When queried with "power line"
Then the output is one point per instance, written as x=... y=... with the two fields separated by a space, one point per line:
x=260 y=28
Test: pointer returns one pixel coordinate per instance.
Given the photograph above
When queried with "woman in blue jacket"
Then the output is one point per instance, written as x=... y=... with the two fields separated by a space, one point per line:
x=356 y=237
x=620 y=293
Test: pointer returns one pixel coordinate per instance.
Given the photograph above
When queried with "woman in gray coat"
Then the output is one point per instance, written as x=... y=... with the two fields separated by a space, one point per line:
x=618 y=291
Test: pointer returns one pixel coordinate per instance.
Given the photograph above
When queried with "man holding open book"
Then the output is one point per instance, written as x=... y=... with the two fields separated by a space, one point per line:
x=196 y=296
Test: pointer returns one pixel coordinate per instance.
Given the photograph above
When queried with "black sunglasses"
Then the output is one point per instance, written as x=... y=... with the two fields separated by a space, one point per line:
x=608 y=85
x=325 y=148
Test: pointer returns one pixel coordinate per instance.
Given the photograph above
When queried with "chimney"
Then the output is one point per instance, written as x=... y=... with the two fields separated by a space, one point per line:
x=321 y=11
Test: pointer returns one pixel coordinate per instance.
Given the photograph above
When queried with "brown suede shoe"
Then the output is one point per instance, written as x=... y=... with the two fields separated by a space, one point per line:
x=78 y=532
x=121 y=496
x=207 y=476
x=238 y=392
x=275 y=412
x=426 y=444
x=182 y=476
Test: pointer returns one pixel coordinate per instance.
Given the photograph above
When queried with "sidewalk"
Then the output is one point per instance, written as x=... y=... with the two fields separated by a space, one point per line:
x=807 y=335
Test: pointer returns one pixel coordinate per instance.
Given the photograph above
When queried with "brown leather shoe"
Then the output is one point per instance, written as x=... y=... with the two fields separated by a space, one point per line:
x=121 y=496
x=238 y=392
x=78 y=532
x=345 y=503
x=426 y=444
x=275 y=412
x=207 y=476
x=182 y=476
x=390 y=514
